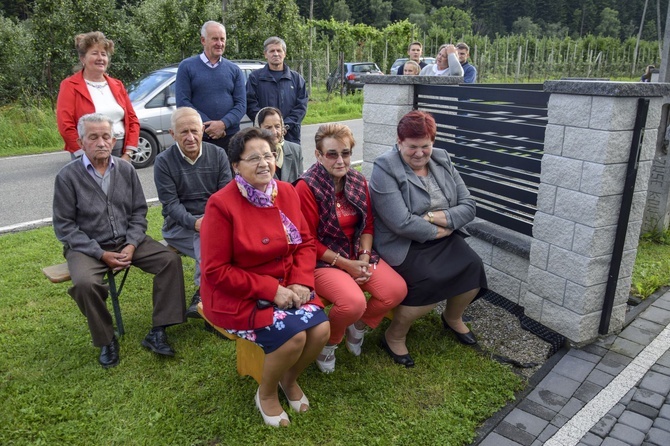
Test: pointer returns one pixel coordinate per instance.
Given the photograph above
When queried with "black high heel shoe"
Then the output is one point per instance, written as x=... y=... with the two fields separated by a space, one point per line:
x=405 y=360
x=464 y=338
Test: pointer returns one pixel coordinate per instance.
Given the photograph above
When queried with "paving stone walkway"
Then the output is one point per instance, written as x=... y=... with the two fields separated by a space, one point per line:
x=613 y=392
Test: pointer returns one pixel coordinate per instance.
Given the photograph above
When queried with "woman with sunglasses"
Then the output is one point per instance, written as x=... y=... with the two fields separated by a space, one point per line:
x=336 y=205
x=258 y=259
x=289 y=154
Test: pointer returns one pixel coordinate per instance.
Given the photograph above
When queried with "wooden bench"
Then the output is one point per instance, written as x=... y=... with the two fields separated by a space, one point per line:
x=60 y=273
x=250 y=357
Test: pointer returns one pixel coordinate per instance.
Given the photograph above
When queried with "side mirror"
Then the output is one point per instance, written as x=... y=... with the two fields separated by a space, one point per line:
x=171 y=101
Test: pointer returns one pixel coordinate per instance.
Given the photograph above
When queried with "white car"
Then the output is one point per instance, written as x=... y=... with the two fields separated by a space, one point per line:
x=153 y=98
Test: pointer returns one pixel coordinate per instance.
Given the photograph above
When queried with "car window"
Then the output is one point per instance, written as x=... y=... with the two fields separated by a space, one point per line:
x=143 y=87
x=364 y=68
x=160 y=100
x=398 y=62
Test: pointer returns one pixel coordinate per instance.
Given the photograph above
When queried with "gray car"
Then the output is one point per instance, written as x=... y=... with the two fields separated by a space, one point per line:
x=153 y=98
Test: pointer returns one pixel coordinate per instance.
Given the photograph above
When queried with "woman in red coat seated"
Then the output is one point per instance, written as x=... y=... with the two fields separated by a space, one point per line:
x=258 y=260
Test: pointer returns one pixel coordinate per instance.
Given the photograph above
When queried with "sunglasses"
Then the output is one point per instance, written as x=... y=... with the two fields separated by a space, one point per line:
x=333 y=154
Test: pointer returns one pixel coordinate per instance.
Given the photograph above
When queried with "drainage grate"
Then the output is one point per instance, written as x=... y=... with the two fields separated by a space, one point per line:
x=554 y=339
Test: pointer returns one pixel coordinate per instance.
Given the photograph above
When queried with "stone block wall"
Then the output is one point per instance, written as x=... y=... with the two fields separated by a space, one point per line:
x=587 y=146
x=560 y=274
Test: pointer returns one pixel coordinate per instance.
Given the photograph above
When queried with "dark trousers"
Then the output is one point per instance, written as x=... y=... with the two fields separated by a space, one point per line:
x=91 y=294
x=221 y=142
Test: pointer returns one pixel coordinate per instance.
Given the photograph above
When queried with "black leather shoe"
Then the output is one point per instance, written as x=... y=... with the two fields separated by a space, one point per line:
x=109 y=354
x=192 y=311
x=405 y=360
x=156 y=341
x=464 y=338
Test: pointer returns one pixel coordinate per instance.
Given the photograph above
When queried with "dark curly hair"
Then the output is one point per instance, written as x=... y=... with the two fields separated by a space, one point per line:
x=240 y=139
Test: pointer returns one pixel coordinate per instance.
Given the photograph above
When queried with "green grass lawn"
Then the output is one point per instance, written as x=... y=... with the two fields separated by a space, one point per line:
x=652 y=264
x=54 y=392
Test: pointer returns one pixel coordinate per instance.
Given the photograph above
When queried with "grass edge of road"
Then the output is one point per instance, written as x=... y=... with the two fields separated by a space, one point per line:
x=31 y=129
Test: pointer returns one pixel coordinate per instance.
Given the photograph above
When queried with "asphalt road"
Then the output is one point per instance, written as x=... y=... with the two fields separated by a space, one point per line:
x=26 y=182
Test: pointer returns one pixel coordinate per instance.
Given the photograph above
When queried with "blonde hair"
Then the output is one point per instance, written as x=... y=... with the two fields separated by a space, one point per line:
x=411 y=63
x=84 y=42
x=336 y=131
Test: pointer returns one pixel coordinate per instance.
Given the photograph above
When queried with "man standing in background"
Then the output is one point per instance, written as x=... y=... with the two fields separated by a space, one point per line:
x=414 y=51
x=214 y=86
x=276 y=85
x=469 y=71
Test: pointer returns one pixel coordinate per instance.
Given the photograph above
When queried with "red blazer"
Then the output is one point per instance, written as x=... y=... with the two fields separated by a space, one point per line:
x=245 y=256
x=74 y=101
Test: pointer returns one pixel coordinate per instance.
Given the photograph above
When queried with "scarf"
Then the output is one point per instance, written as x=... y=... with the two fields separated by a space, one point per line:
x=328 y=231
x=266 y=199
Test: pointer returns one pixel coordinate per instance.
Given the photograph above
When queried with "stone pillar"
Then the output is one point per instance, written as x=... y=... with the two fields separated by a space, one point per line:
x=386 y=100
x=587 y=144
x=657 y=209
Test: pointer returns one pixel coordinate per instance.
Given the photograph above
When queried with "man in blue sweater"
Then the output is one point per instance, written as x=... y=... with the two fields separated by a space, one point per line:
x=186 y=175
x=469 y=71
x=276 y=85
x=214 y=86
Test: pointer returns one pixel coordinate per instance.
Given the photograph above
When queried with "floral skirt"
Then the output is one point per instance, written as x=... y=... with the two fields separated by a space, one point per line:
x=285 y=325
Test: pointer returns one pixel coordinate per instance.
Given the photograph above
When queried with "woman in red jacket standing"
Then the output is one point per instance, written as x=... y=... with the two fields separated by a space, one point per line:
x=91 y=90
x=258 y=260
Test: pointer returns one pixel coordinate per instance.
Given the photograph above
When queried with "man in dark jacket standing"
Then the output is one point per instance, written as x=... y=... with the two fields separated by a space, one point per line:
x=276 y=85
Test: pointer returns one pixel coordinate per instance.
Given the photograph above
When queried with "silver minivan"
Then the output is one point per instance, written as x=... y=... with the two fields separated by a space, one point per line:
x=153 y=98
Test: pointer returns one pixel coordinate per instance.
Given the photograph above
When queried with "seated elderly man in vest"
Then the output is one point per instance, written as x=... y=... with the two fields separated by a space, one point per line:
x=186 y=175
x=99 y=214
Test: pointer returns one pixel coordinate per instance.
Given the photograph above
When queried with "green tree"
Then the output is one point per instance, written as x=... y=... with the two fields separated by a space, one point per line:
x=452 y=20
x=609 y=23
x=278 y=18
x=403 y=8
x=341 y=11
x=172 y=27
x=525 y=26
x=16 y=61
x=380 y=13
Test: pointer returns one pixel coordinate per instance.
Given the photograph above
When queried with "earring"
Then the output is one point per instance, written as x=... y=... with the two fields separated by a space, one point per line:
x=237 y=172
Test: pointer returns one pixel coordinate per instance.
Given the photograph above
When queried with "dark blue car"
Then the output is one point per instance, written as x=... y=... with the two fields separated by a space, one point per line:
x=350 y=82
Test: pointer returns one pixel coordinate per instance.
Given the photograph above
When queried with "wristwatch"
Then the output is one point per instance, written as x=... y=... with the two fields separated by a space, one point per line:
x=430 y=216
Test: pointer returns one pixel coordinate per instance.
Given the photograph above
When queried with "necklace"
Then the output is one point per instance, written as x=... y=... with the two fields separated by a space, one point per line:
x=99 y=86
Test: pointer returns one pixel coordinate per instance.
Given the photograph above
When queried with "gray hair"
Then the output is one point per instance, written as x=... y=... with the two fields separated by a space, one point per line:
x=183 y=111
x=92 y=117
x=203 y=30
x=274 y=40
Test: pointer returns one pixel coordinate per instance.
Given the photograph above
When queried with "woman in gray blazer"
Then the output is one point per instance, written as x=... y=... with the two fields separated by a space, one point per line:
x=289 y=155
x=420 y=204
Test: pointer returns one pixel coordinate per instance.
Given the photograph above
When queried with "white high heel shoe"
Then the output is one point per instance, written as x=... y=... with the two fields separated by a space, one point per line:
x=297 y=404
x=271 y=420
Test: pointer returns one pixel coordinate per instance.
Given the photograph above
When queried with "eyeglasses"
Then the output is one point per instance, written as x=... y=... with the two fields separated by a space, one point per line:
x=333 y=154
x=269 y=157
